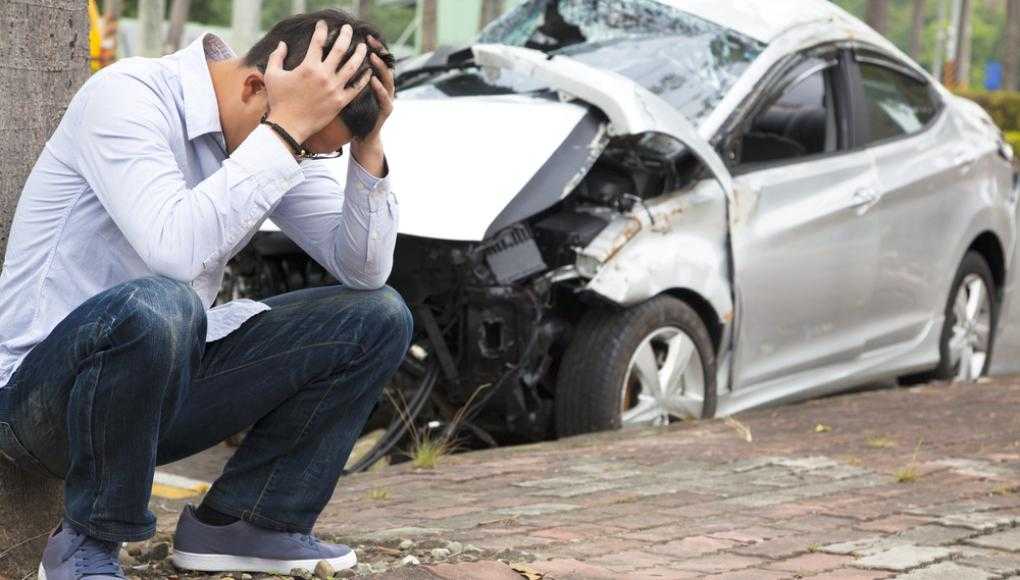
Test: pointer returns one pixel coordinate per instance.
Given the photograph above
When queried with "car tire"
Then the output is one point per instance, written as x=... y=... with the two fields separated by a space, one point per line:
x=595 y=382
x=973 y=268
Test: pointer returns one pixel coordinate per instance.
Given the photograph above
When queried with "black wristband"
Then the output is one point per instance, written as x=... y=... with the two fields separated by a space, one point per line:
x=292 y=142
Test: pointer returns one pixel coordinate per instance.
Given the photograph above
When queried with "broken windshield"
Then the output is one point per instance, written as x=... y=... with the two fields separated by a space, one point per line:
x=688 y=61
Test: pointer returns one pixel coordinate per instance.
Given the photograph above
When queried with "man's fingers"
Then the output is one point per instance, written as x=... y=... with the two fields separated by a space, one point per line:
x=356 y=88
x=382 y=95
x=314 y=54
x=374 y=42
x=353 y=64
x=343 y=42
x=384 y=73
x=277 y=57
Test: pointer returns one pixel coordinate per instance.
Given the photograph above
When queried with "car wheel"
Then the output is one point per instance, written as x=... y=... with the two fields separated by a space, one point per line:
x=969 y=331
x=646 y=365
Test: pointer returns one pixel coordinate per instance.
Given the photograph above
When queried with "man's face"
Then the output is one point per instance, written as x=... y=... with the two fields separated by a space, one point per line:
x=331 y=138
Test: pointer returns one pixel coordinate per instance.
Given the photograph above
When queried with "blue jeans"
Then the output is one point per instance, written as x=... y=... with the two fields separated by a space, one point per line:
x=127 y=382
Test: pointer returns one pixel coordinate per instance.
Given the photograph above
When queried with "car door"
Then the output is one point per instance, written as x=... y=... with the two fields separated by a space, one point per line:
x=804 y=247
x=922 y=169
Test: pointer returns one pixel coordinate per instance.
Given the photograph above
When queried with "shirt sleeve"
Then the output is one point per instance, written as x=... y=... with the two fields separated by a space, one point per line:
x=125 y=155
x=351 y=231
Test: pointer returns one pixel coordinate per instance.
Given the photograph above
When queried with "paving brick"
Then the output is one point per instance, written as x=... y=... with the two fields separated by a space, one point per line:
x=893 y=524
x=749 y=574
x=982 y=522
x=693 y=546
x=851 y=574
x=718 y=563
x=631 y=560
x=903 y=558
x=946 y=571
x=811 y=563
x=1008 y=540
x=934 y=535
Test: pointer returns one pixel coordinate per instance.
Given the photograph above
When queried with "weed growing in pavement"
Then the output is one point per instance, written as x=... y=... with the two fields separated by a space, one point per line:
x=880 y=442
x=428 y=447
x=1006 y=489
x=910 y=472
x=379 y=494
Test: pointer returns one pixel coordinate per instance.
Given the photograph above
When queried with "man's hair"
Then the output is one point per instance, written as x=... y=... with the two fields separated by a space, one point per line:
x=362 y=113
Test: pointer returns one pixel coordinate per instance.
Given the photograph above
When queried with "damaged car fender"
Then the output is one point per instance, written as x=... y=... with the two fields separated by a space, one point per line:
x=626 y=262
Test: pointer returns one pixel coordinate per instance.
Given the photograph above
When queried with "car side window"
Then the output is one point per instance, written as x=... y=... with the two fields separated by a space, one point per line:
x=897 y=104
x=800 y=123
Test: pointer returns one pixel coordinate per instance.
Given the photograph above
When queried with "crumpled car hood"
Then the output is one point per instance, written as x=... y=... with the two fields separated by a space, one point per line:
x=456 y=163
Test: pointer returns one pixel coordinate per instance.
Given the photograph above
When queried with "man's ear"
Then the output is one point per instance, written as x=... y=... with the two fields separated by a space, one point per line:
x=254 y=86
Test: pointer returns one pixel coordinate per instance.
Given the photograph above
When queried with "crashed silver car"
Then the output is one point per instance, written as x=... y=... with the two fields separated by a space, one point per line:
x=627 y=212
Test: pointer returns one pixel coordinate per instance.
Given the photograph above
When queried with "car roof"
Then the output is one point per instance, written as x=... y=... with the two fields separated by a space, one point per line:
x=764 y=20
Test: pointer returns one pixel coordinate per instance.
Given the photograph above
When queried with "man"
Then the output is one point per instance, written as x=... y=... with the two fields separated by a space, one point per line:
x=110 y=361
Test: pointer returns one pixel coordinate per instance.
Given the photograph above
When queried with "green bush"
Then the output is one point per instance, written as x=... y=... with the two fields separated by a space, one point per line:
x=1013 y=137
x=1003 y=106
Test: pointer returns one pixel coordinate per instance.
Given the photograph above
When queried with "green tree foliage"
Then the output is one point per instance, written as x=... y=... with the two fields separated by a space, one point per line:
x=988 y=23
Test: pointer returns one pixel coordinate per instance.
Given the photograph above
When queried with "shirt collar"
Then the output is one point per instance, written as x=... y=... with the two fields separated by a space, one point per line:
x=201 y=111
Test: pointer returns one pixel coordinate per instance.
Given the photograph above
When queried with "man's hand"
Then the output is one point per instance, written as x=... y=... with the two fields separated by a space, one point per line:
x=369 y=151
x=309 y=97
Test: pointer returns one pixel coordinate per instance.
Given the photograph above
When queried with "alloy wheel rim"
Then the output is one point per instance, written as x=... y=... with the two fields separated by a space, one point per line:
x=970 y=342
x=665 y=379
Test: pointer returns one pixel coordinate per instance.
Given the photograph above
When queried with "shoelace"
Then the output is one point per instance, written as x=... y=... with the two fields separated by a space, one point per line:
x=94 y=557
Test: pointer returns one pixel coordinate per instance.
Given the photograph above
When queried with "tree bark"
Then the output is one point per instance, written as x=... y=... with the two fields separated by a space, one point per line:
x=964 y=44
x=43 y=60
x=428 y=25
x=245 y=16
x=878 y=15
x=365 y=9
x=150 y=22
x=1011 y=60
x=917 y=29
x=178 y=18
x=491 y=9
x=298 y=6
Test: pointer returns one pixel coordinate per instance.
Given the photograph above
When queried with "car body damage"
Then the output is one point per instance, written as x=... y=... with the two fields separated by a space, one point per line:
x=626 y=212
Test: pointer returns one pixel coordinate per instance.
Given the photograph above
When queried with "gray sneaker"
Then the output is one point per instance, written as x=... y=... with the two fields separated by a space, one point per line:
x=244 y=547
x=73 y=556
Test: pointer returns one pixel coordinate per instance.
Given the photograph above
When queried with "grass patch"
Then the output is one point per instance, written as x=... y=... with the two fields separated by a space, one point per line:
x=880 y=442
x=429 y=450
x=379 y=494
x=1006 y=489
x=907 y=474
x=910 y=472
x=429 y=446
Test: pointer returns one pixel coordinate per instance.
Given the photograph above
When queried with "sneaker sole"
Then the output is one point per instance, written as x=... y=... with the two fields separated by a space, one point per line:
x=225 y=563
x=42 y=572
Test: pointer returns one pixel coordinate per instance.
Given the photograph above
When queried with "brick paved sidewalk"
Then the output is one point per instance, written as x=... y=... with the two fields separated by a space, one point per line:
x=914 y=483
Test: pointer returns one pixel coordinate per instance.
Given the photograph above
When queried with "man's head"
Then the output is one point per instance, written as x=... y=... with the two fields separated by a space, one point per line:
x=361 y=115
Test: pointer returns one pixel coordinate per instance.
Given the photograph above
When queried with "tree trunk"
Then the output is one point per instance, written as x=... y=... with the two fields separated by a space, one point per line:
x=150 y=22
x=428 y=25
x=964 y=44
x=43 y=60
x=878 y=15
x=365 y=10
x=917 y=30
x=298 y=6
x=491 y=9
x=245 y=16
x=178 y=18
x=1011 y=62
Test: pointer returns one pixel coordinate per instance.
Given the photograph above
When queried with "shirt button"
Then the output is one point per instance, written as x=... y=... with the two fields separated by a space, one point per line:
x=375 y=236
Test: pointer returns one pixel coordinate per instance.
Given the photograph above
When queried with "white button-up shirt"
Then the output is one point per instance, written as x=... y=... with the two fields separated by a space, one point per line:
x=136 y=181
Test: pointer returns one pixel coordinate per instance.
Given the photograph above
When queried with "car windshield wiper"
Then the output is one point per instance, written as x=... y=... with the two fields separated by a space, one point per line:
x=459 y=60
